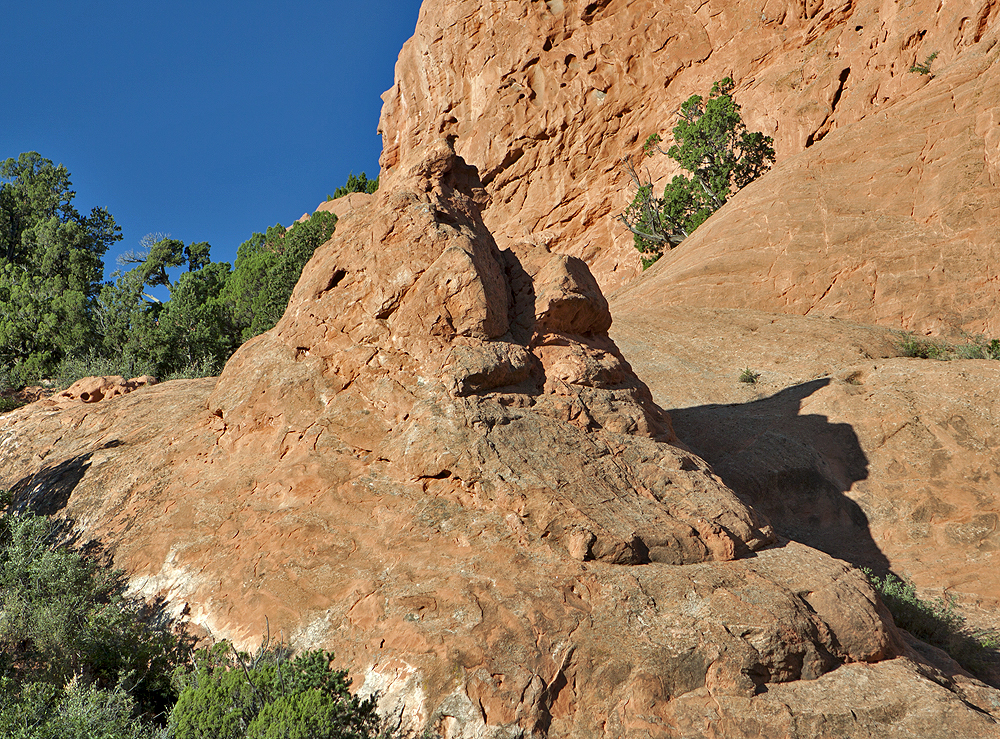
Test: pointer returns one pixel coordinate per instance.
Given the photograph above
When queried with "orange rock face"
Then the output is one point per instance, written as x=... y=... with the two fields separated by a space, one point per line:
x=889 y=221
x=884 y=461
x=546 y=98
x=439 y=466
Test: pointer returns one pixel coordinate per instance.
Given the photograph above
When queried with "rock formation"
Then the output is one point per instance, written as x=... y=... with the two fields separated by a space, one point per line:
x=884 y=461
x=890 y=221
x=439 y=466
x=545 y=98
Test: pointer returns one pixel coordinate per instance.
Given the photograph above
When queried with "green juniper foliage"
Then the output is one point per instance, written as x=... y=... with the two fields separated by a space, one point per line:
x=50 y=266
x=59 y=318
x=231 y=695
x=75 y=650
x=355 y=184
x=81 y=660
x=925 y=66
x=721 y=156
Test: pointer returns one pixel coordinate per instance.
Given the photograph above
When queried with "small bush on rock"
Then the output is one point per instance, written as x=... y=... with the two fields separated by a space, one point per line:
x=939 y=623
x=713 y=144
x=231 y=695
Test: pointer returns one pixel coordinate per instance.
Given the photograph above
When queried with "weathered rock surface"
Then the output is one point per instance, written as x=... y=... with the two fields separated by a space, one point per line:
x=884 y=461
x=545 y=98
x=439 y=466
x=889 y=221
x=96 y=389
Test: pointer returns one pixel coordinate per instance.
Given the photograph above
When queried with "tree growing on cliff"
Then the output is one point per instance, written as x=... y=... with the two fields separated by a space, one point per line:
x=355 y=184
x=713 y=144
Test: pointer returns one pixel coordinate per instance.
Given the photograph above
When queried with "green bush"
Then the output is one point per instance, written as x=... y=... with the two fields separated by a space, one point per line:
x=229 y=695
x=714 y=146
x=925 y=348
x=355 y=184
x=939 y=623
x=80 y=660
x=77 y=366
x=66 y=616
x=925 y=66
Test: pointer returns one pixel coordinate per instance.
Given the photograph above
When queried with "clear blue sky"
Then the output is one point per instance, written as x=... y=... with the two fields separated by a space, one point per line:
x=207 y=120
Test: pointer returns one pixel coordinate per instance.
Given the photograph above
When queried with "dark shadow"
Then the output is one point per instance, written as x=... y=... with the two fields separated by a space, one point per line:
x=47 y=492
x=794 y=469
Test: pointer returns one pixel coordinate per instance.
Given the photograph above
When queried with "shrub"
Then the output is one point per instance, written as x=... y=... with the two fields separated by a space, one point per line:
x=922 y=348
x=749 y=376
x=66 y=616
x=939 y=623
x=925 y=66
x=229 y=695
x=722 y=157
x=92 y=364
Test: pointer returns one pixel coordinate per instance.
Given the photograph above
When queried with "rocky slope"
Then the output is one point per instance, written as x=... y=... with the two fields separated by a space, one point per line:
x=884 y=461
x=441 y=466
x=889 y=221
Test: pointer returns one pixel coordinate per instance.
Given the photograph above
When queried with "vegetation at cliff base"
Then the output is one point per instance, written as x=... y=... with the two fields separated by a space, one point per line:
x=82 y=659
x=921 y=347
x=722 y=157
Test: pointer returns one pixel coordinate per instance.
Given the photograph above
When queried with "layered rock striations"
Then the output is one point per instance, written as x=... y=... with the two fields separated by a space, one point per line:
x=546 y=98
x=439 y=466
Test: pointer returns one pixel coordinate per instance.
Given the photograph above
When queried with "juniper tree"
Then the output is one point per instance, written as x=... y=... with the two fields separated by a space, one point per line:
x=722 y=157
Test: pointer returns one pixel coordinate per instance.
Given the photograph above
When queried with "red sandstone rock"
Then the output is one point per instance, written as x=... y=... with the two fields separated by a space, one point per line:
x=545 y=98
x=95 y=389
x=889 y=221
x=439 y=466
x=884 y=461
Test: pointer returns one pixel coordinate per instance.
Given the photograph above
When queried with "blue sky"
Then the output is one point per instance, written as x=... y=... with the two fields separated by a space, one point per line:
x=205 y=120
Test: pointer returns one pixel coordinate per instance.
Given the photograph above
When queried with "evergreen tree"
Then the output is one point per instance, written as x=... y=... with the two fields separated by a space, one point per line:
x=50 y=265
x=713 y=144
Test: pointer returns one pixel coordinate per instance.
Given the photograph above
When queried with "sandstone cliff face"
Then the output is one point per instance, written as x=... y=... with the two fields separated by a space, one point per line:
x=889 y=221
x=545 y=98
x=439 y=466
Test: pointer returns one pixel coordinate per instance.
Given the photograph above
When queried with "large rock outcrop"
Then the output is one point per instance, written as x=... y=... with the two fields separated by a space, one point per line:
x=439 y=466
x=889 y=221
x=546 y=98
x=884 y=461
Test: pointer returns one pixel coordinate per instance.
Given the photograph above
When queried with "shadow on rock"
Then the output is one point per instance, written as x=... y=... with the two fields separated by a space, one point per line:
x=47 y=492
x=795 y=469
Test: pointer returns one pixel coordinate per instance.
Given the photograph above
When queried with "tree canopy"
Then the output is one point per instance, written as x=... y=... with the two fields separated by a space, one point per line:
x=59 y=317
x=51 y=265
